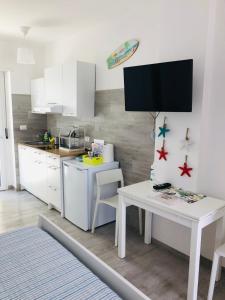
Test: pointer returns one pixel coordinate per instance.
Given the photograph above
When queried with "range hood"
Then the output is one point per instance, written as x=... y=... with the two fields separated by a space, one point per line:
x=50 y=108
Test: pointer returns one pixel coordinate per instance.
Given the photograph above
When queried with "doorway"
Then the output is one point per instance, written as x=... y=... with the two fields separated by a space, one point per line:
x=3 y=133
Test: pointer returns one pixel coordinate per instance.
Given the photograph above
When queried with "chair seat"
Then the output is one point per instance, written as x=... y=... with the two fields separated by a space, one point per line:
x=221 y=250
x=113 y=201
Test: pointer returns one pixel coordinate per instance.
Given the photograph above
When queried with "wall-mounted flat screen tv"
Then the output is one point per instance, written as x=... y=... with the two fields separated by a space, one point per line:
x=165 y=87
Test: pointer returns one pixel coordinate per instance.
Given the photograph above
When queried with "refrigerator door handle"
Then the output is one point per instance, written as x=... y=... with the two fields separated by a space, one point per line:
x=78 y=169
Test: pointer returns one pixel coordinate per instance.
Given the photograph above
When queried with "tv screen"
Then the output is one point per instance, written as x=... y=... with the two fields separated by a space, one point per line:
x=165 y=87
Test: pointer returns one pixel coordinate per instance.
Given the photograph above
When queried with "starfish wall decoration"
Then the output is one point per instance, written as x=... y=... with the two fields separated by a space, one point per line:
x=163 y=130
x=185 y=169
x=162 y=152
x=187 y=142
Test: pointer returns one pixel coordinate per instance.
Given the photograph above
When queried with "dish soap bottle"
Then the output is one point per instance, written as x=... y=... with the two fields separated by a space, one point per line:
x=46 y=137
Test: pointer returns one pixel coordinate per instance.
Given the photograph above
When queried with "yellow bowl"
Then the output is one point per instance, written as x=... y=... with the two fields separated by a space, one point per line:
x=94 y=161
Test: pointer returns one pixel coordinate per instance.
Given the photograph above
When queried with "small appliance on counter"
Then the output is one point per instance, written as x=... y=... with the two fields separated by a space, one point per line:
x=71 y=139
x=79 y=194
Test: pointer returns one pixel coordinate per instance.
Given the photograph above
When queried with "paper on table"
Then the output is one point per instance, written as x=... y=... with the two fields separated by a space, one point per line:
x=168 y=200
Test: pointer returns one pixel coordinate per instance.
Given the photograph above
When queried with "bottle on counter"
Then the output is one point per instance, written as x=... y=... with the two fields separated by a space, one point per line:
x=47 y=136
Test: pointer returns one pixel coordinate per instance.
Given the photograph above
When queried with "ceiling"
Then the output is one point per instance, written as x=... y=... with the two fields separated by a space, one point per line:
x=54 y=19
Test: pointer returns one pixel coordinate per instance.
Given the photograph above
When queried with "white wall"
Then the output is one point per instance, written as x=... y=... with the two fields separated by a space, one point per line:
x=167 y=30
x=211 y=161
x=96 y=44
x=20 y=74
x=180 y=37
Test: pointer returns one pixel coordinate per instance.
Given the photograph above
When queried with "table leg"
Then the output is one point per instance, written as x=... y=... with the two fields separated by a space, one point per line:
x=219 y=238
x=196 y=235
x=122 y=228
x=148 y=227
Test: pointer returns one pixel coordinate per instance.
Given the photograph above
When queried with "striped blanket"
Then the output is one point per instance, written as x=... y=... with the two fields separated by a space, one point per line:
x=33 y=265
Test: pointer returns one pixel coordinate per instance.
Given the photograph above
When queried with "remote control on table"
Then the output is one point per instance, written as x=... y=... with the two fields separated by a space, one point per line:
x=162 y=186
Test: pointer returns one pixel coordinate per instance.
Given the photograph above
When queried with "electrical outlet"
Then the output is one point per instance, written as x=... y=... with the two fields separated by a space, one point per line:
x=87 y=139
x=23 y=127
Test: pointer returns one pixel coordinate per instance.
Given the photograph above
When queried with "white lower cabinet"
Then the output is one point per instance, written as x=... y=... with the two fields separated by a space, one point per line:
x=24 y=166
x=54 y=182
x=40 y=174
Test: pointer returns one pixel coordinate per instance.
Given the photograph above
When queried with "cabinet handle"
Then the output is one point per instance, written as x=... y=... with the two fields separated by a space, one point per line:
x=52 y=157
x=53 y=167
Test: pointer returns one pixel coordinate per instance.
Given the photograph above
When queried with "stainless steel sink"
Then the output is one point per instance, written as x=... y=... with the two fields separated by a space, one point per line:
x=36 y=143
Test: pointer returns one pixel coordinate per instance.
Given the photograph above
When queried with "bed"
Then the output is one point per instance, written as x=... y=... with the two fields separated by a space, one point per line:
x=43 y=262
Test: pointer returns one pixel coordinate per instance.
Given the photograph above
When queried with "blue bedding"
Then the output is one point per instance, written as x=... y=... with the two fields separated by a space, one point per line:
x=33 y=265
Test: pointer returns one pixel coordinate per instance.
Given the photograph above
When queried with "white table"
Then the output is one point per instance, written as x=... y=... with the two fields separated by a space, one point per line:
x=196 y=216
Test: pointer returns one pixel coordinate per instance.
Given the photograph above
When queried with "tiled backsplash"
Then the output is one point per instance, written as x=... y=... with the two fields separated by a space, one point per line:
x=128 y=131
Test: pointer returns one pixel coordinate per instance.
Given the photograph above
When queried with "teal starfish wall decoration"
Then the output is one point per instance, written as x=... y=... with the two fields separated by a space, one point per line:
x=163 y=131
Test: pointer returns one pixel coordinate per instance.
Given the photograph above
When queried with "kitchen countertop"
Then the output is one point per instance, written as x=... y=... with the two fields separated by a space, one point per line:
x=58 y=152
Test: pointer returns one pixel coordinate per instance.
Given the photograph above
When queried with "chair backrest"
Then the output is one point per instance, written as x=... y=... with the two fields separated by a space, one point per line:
x=110 y=176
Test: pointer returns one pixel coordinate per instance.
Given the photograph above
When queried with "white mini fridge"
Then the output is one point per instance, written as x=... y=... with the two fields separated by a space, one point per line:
x=79 y=194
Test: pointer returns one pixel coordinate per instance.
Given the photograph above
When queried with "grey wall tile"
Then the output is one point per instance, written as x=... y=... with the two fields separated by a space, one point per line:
x=129 y=132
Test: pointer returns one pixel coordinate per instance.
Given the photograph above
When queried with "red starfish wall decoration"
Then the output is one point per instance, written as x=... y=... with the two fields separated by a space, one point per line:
x=185 y=169
x=162 y=152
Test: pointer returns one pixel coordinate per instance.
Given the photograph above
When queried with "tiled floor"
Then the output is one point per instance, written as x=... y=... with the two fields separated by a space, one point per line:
x=158 y=272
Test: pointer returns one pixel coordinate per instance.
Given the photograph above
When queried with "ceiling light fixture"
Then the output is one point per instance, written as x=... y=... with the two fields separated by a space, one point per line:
x=24 y=54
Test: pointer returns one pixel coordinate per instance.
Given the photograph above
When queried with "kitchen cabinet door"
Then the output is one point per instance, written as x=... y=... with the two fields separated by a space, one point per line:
x=69 y=89
x=54 y=186
x=24 y=163
x=39 y=175
x=53 y=84
x=37 y=93
x=78 y=89
x=54 y=181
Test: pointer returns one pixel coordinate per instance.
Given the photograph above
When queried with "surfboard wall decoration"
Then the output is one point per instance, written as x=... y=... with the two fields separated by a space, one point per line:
x=123 y=53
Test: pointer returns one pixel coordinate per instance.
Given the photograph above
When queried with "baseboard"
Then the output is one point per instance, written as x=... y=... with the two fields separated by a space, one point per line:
x=205 y=261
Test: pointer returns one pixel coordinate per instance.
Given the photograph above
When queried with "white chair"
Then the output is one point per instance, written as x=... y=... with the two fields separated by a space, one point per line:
x=107 y=177
x=219 y=253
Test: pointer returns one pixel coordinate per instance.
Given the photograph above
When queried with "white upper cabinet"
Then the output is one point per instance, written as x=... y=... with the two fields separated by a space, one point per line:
x=37 y=93
x=53 y=84
x=67 y=89
x=78 y=89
